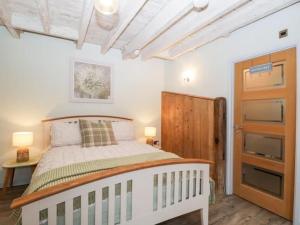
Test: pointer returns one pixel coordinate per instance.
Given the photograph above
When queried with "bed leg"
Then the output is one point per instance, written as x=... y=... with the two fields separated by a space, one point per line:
x=204 y=216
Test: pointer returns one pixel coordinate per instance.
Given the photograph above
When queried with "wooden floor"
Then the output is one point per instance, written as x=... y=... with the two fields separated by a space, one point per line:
x=230 y=210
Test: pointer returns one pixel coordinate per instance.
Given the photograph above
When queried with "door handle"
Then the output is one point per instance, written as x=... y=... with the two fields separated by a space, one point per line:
x=238 y=128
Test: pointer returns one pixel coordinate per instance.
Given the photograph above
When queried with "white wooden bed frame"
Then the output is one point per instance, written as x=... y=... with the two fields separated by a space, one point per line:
x=194 y=191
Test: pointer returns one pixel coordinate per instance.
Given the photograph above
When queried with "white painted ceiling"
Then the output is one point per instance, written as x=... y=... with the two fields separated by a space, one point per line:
x=147 y=28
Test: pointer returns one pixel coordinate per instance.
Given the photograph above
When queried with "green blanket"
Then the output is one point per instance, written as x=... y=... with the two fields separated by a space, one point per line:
x=74 y=171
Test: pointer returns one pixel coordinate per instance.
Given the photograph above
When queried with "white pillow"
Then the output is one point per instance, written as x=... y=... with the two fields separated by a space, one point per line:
x=65 y=133
x=123 y=130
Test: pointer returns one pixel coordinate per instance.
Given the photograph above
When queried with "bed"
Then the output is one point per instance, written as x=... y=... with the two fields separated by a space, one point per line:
x=127 y=183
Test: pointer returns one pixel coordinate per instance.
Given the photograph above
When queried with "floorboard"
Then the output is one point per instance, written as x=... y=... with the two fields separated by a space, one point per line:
x=229 y=210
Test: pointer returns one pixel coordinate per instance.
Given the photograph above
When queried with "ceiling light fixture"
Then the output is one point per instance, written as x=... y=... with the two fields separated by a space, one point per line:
x=107 y=7
x=137 y=52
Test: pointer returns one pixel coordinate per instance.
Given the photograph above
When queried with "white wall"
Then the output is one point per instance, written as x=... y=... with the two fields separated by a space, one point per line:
x=34 y=84
x=213 y=66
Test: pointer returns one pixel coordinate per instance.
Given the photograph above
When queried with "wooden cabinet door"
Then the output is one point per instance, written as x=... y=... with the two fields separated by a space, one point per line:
x=195 y=127
x=265 y=117
x=172 y=123
x=188 y=127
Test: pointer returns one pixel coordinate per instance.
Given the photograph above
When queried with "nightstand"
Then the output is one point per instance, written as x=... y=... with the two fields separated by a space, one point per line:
x=157 y=146
x=10 y=166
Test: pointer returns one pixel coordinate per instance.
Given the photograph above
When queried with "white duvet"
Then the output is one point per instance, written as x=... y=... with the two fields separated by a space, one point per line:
x=61 y=156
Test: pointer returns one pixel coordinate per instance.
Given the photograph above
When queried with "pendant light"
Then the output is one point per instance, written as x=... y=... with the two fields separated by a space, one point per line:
x=107 y=7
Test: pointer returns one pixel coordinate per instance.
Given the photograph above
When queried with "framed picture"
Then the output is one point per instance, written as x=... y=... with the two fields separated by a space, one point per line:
x=91 y=82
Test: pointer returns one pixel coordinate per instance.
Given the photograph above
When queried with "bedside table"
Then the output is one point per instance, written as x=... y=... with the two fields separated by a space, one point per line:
x=10 y=166
x=157 y=146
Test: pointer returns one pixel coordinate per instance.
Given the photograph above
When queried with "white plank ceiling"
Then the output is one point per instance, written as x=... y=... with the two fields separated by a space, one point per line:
x=148 y=28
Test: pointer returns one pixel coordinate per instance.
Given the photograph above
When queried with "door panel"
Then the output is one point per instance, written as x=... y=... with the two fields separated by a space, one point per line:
x=264 y=80
x=262 y=179
x=269 y=146
x=264 y=139
x=264 y=110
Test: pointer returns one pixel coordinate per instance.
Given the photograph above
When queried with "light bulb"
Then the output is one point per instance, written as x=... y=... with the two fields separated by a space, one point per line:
x=107 y=7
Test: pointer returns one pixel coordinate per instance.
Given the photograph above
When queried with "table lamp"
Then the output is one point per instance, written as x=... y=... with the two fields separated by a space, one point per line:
x=150 y=133
x=22 y=140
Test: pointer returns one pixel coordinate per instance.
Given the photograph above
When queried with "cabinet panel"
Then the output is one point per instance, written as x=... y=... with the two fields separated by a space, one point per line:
x=188 y=128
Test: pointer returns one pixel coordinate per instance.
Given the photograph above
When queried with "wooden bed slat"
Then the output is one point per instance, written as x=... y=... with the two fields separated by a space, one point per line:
x=52 y=216
x=183 y=186
x=176 y=187
x=98 y=206
x=168 y=193
x=159 y=192
x=69 y=212
x=111 y=204
x=84 y=209
x=123 y=201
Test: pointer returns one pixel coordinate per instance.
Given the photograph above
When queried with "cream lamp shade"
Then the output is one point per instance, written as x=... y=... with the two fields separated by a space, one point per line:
x=22 y=139
x=150 y=131
x=107 y=7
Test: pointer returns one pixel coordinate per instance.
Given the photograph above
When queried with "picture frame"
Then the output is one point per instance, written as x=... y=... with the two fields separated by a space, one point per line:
x=91 y=81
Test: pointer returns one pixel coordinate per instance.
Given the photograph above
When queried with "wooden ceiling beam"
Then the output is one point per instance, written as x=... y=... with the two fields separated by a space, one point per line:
x=86 y=16
x=229 y=24
x=167 y=17
x=5 y=17
x=131 y=13
x=44 y=14
x=188 y=28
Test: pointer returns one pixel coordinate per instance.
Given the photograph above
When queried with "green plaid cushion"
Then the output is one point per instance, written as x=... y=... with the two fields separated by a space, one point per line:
x=96 y=133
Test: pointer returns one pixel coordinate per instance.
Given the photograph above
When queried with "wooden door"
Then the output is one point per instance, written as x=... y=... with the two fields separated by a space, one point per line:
x=265 y=117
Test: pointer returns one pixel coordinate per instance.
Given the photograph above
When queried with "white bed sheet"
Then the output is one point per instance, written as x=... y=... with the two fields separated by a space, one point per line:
x=61 y=156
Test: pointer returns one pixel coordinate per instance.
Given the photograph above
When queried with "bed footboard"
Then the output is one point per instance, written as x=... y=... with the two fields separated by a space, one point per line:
x=140 y=194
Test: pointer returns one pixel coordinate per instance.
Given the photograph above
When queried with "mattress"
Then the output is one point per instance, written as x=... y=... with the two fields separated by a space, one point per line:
x=62 y=156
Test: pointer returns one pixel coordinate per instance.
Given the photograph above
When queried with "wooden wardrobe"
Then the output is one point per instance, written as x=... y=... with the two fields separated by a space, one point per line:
x=194 y=127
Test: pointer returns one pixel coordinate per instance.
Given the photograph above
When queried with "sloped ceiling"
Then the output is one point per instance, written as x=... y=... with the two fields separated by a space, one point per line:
x=147 y=28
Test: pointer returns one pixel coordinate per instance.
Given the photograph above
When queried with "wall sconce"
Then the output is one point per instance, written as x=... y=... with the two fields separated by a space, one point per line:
x=186 y=79
x=188 y=76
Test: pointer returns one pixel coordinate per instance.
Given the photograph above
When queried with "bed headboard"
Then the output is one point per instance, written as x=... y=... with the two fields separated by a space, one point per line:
x=47 y=123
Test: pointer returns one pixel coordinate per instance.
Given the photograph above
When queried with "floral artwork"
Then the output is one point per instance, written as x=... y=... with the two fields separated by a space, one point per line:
x=91 y=82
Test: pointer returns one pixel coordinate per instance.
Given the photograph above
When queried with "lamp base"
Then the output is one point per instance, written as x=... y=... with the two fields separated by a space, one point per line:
x=22 y=155
x=150 y=141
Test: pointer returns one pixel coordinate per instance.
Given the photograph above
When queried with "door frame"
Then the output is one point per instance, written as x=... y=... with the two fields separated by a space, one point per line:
x=230 y=124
